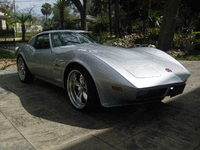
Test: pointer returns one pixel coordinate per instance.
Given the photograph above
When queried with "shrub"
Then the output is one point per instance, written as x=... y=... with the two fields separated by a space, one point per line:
x=90 y=26
x=182 y=40
x=6 y=55
x=153 y=33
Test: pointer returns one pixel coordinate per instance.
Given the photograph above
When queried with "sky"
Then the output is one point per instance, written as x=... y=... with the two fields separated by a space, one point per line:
x=37 y=4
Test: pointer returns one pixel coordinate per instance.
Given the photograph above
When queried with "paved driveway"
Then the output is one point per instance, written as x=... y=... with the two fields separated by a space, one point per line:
x=38 y=116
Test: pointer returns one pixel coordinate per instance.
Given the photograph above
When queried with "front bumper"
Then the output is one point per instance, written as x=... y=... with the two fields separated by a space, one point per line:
x=152 y=94
x=176 y=90
x=172 y=91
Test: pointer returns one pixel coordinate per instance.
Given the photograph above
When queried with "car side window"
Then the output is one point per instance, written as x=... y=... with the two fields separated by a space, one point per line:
x=56 y=40
x=42 y=42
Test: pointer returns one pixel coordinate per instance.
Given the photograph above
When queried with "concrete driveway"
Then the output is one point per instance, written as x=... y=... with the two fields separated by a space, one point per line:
x=39 y=116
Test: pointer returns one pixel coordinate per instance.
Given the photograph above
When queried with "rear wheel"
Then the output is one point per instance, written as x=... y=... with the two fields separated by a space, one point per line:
x=23 y=72
x=81 y=89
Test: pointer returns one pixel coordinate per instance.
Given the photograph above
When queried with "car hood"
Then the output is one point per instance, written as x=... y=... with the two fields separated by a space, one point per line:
x=146 y=68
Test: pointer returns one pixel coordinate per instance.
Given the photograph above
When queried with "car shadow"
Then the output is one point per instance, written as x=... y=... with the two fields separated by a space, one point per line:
x=49 y=102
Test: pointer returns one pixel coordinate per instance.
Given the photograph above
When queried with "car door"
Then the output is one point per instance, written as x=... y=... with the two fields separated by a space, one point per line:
x=62 y=47
x=42 y=57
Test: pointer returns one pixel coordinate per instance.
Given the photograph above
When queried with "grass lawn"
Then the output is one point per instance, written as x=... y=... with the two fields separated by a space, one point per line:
x=6 y=55
x=193 y=55
x=28 y=34
x=19 y=35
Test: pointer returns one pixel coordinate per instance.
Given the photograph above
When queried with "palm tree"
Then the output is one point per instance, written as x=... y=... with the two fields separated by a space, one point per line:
x=60 y=5
x=46 y=10
x=22 y=18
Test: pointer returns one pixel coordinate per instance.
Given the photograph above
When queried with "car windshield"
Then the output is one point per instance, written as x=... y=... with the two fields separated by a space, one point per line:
x=71 y=38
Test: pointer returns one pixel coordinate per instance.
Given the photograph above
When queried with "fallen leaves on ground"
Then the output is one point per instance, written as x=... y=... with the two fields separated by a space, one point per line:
x=7 y=63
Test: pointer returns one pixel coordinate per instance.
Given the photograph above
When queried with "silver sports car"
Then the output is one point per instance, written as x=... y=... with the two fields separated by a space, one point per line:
x=95 y=74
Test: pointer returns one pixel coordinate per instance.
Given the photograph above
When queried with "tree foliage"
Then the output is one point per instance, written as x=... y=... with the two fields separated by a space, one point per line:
x=189 y=14
x=6 y=7
x=22 y=18
x=146 y=16
x=121 y=16
x=126 y=13
x=99 y=9
x=46 y=10
x=61 y=6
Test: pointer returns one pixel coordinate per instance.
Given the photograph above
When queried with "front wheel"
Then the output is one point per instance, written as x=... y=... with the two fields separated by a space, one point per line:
x=23 y=71
x=81 y=89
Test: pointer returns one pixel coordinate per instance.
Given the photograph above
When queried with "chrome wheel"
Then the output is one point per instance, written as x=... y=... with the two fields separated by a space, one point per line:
x=77 y=89
x=21 y=69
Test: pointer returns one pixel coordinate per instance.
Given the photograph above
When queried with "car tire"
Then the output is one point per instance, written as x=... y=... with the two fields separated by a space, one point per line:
x=23 y=72
x=81 y=90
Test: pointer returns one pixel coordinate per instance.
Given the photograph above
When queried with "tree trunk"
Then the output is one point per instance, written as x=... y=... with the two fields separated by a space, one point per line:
x=117 y=16
x=129 y=30
x=149 y=13
x=23 y=32
x=0 y=25
x=168 y=24
x=83 y=16
x=62 y=17
x=110 y=18
x=82 y=9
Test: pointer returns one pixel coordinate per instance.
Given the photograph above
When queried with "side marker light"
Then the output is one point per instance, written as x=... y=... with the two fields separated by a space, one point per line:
x=117 y=88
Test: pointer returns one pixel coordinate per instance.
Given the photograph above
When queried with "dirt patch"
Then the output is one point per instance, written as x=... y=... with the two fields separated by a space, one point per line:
x=7 y=64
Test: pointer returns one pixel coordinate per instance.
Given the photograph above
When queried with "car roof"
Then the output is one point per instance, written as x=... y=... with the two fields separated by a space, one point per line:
x=56 y=31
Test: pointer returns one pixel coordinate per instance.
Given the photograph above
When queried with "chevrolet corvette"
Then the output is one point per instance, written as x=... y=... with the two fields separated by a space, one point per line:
x=95 y=74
